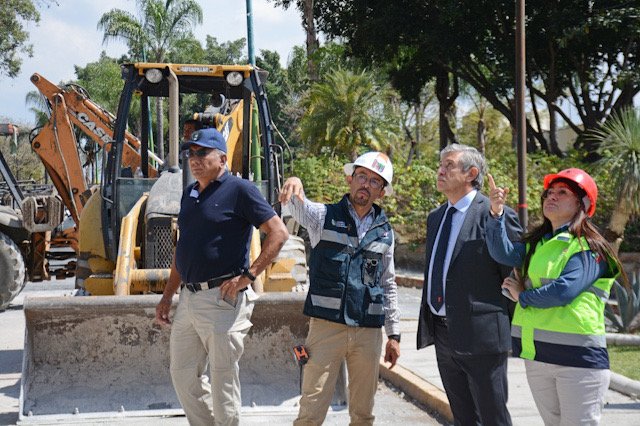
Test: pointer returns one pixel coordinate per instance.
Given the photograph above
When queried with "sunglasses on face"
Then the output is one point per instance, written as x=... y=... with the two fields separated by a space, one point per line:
x=197 y=153
x=374 y=182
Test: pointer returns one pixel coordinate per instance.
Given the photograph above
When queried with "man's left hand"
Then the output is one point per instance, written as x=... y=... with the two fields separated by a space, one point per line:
x=392 y=352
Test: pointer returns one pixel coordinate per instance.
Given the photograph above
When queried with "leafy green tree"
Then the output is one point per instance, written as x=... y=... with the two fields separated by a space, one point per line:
x=347 y=112
x=276 y=87
x=153 y=34
x=22 y=160
x=483 y=127
x=619 y=141
x=13 y=37
x=307 y=9
x=582 y=51
x=229 y=52
x=102 y=80
x=187 y=50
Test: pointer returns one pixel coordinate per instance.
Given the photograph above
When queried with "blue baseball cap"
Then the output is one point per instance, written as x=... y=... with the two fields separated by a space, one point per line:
x=207 y=138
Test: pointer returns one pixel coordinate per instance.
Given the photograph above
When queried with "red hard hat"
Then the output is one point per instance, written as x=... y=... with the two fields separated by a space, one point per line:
x=583 y=180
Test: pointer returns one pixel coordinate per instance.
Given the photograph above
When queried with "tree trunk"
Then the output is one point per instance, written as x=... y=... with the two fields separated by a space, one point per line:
x=614 y=232
x=481 y=136
x=414 y=141
x=446 y=100
x=553 y=131
x=312 y=40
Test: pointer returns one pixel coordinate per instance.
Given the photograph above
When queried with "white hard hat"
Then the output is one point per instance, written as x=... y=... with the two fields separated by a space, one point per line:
x=377 y=162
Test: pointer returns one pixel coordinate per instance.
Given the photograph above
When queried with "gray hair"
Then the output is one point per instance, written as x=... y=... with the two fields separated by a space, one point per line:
x=470 y=157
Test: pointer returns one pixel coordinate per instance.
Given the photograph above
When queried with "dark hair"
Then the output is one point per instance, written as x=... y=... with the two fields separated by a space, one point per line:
x=197 y=124
x=579 y=226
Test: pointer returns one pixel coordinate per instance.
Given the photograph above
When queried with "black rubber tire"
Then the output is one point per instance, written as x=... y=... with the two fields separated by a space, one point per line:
x=13 y=276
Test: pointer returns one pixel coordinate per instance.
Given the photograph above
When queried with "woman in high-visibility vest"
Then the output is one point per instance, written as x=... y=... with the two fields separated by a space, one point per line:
x=564 y=270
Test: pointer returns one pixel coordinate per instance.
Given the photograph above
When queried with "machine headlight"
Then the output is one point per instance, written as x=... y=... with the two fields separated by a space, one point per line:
x=153 y=75
x=234 y=78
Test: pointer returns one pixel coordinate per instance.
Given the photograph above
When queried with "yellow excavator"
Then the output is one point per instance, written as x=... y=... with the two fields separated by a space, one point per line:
x=100 y=355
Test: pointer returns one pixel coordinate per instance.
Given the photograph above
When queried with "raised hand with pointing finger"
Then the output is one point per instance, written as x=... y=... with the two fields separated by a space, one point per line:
x=497 y=196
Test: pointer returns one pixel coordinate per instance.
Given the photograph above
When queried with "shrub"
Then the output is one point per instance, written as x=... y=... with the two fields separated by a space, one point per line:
x=628 y=306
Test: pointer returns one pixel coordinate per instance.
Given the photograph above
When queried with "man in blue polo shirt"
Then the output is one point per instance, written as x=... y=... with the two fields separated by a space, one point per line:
x=211 y=264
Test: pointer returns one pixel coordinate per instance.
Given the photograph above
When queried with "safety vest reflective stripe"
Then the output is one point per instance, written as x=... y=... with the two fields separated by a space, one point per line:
x=375 y=309
x=339 y=238
x=325 y=301
x=562 y=338
x=378 y=247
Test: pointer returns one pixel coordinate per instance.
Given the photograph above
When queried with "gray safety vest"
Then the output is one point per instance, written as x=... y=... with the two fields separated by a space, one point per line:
x=344 y=274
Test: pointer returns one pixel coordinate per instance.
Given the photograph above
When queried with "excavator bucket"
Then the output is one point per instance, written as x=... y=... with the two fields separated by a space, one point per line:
x=101 y=357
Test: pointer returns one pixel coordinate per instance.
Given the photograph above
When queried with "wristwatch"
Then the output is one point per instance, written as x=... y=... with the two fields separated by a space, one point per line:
x=245 y=272
x=395 y=337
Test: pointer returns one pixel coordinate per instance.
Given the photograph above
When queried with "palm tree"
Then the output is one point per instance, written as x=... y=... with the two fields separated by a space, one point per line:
x=346 y=112
x=619 y=146
x=38 y=106
x=153 y=35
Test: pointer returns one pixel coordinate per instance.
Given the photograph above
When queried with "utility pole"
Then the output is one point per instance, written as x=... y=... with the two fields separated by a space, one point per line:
x=521 y=124
x=252 y=55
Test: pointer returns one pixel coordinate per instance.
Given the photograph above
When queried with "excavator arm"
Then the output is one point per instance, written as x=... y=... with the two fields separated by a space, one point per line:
x=57 y=147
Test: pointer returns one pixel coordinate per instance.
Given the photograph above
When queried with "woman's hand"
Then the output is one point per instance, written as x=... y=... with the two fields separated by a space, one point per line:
x=514 y=285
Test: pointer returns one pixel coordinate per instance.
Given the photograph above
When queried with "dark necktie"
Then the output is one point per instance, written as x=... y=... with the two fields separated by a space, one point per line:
x=437 y=271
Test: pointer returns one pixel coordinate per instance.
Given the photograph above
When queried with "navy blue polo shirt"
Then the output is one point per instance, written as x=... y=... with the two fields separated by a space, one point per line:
x=216 y=227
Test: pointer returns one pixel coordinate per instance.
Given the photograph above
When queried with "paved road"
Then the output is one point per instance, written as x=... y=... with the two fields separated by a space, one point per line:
x=619 y=409
x=391 y=406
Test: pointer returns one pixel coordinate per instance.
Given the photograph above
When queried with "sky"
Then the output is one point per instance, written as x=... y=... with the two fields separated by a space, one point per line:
x=67 y=35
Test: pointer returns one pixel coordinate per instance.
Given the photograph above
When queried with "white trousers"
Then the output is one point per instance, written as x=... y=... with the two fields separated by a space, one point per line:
x=567 y=395
x=209 y=330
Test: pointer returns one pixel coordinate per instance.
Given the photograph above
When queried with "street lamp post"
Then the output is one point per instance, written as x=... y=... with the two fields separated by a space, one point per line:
x=252 y=55
x=521 y=124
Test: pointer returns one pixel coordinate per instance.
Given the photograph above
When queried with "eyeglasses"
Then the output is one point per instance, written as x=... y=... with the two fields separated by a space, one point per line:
x=374 y=182
x=197 y=153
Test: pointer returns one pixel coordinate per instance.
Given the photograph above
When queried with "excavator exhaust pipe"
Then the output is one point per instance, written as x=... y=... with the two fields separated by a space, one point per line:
x=104 y=357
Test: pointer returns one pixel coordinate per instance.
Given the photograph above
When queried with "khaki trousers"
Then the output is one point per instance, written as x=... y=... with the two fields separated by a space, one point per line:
x=330 y=343
x=209 y=330
x=567 y=396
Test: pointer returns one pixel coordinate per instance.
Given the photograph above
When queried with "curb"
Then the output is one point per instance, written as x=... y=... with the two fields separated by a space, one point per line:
x=618 y=339
x=625 y=385
x=418 y=388
x=409 y=281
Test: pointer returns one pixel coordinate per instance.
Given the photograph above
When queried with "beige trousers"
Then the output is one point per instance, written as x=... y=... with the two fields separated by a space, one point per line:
x=209 y=330
x=330 y=343
x=567 y=396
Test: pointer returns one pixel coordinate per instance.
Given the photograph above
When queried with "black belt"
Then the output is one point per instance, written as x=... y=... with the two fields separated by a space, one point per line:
x=209 y=284
x=437 y=319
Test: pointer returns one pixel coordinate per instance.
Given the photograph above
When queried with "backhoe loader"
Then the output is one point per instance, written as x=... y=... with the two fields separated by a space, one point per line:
x=27 y=224
x=101 y=355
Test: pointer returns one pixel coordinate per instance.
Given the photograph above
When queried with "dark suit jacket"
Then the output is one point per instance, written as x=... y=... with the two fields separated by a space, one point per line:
x=477 y=312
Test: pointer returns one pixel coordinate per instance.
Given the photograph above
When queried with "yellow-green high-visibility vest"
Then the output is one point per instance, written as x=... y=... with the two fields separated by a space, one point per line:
x=573 y=334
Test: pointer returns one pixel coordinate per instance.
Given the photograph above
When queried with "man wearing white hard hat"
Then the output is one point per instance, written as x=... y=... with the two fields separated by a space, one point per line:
x=352 y=291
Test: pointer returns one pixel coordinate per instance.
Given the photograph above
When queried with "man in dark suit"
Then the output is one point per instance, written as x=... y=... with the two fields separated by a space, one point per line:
x=463 y=310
